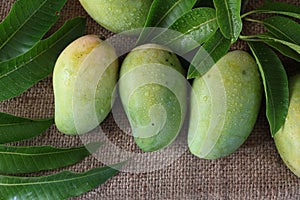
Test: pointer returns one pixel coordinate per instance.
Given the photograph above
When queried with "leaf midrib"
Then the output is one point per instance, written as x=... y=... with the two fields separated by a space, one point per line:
x=193 y=29
x=287 y=36
x=54 y=181
x=42 y=154
x=22 y=25
x=166 y=14
x=229 y=19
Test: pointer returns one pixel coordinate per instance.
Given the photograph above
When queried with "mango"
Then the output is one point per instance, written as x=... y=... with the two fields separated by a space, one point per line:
x=287 y=139
x=153 y=92
x=118 y=15
x=224 y=106
x=84 y=78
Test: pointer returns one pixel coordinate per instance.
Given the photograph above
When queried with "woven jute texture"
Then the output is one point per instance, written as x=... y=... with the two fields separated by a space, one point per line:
x=254 y=171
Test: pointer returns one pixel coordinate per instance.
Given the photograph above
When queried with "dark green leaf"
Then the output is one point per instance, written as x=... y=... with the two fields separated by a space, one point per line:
x=229 y=19
x=20 y=73
x=190 y=31
x=275 y=84
x=15 y=160
x=13 y=128
x=163 y=13
x=268 y=36
x=62 y=185
x=283 y=28
x=212 y=50
x=279 y=8
x=283 y=49
x=26 y=24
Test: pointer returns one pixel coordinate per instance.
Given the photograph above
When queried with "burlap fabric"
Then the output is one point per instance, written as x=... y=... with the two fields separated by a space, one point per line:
x=255 y=171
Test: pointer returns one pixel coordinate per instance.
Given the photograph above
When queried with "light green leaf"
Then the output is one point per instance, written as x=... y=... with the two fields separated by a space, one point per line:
x=190 y=31
x=13 y=128
x=229 y=19
x=283 y=28
x=26 y=24
x=275 y=84
x=22 y=72
x=211 y=51
x=62 y=185
x=16 y=160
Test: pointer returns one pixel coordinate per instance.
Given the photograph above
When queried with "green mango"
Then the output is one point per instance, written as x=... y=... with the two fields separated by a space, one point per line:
x=118 y=15
x=153 y=92
x=287 y=139
x=84 y=78
x=224 y=106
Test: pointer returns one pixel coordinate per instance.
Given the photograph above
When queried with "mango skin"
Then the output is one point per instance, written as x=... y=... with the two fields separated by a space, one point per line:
x=85 y=62
x=224 y=106
x=153 y=92
x=287 y=139
x=118 y=15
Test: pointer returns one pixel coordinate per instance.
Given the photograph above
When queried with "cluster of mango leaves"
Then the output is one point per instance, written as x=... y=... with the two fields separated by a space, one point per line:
x=215 y=25
x=25 y=59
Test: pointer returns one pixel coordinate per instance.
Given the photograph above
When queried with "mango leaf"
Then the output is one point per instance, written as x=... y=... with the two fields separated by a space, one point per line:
x=62 y=185
x=283 y=49
x=281 y=8
x=22 y=72
x=229 y=19
x=13 y=128
x=269 y=36
x=26 y=24
x=16 y=160
x=275 y=84
x=283 y=28
x=210 y=52
x=189 y=31
x=162 y=14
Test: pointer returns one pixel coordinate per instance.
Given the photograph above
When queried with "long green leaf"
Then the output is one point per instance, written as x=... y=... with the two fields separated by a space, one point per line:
x=58 y=186
x=190 y=31
x=13 y=128
x=283 y=28
x=16 y=160
x=229 y=19
x=275 y=84
x=269 y=36
x=164 y=13
x=283 y=49
x=270 y=40
x=26 y=24
x=211 y=51
x=20 y=73
x=281 y=8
